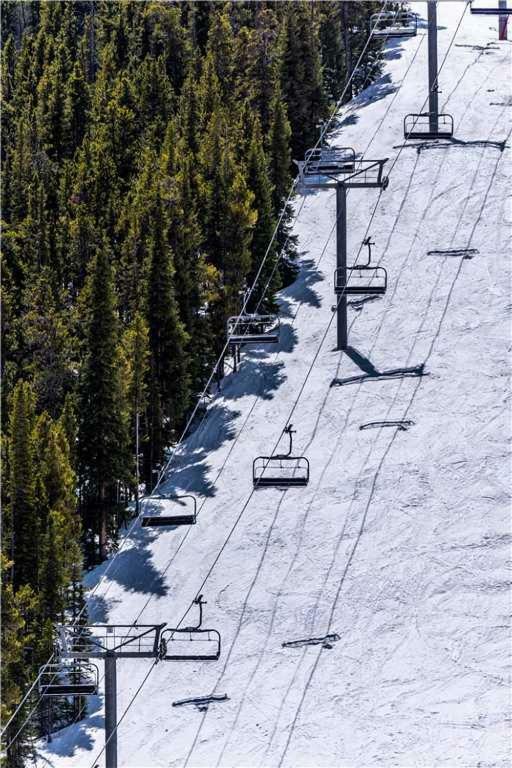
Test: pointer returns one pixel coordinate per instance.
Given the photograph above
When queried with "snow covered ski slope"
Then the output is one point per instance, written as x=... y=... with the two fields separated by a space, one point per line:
x=397 y=547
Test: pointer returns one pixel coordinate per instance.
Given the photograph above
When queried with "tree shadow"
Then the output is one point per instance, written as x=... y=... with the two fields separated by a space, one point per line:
x=67 y=741
x=97 y=609
x=345 y=122
x=255 y=377
x=133 y=569
x=376 y=91
x=287 y=341
x=301 y=290
x=190 y=468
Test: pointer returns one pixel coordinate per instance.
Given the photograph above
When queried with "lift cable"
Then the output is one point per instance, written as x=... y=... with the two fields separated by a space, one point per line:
x=386 y=451
x=296 y=402
x=164 y=469
x=250 y=495
x=325 y=128
x=259 y=271
x=277 y=442
x=377 y=129
x=428 y=355
x=332 y=317
x=272 y=239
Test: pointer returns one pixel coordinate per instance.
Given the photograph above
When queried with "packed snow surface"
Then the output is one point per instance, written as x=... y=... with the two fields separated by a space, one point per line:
x=397 y=548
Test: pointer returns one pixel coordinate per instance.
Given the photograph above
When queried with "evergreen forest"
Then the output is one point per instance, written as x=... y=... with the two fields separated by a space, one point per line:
x=147 y=158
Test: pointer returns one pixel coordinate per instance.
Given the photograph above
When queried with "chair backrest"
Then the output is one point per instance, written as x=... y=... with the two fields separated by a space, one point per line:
x=280 y=467
x=328 y=159
x=68 y=679
x=252 y=325
x=191 y=645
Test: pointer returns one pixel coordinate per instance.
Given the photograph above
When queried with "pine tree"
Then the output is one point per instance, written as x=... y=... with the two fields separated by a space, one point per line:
x=263 y=246
x=21 y=526
x=69 y=423
x=18 y=608
x=136 y=345
x=257 y=55
x=76 y=105
x=279 y=151
x=220 y=50
x=136 y=355
x=188 y=115
x=280 y=161
x=169 y=380
x=47 y=348
x=228 y=222
x=334 y=56
x=302 y=76
x=103 y=437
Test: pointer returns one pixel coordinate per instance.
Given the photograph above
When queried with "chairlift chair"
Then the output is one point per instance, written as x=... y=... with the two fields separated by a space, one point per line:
x=281 y=470
x=175 y=510
x=75 y=679
x=361 y=279
x=394 y=24
x=428 y=126
x=191 y=643
x=321 y=161
x=253 y=329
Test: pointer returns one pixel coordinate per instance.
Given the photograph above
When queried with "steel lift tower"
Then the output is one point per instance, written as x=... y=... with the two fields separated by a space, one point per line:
x=337 y=167
x=503 y=10
x=77 y=645
x=431 y=124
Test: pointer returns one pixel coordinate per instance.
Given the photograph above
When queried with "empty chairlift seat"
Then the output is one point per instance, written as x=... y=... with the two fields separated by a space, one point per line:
x=71 y=679
x=160 y=510
x=281 y=470
x=329 y=160
x=253 y=329
x=361 y=281
x=190 y=644
x=394 y=24
x=428 y=126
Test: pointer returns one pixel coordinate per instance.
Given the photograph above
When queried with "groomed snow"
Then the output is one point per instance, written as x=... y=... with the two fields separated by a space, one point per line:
x=399 y=543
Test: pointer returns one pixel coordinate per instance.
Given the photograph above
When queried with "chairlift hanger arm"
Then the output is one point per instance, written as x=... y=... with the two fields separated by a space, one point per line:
x=290 y=432
x=200 y=602
x=369 y=242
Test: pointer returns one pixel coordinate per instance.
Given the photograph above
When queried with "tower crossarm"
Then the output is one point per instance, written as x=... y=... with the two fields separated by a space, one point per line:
x=363 y=174
x=121 y=640
x=367 y=173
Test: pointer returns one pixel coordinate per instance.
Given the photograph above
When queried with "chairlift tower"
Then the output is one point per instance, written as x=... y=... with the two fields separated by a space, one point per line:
x=111 y=642
x=337 y=167
x=503 y=10
x=431 y=124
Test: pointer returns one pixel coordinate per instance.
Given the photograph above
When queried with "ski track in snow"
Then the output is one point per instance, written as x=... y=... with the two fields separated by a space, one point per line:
x=400 y=541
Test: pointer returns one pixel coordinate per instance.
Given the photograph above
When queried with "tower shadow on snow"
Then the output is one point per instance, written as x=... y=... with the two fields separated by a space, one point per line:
x=371 y=373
